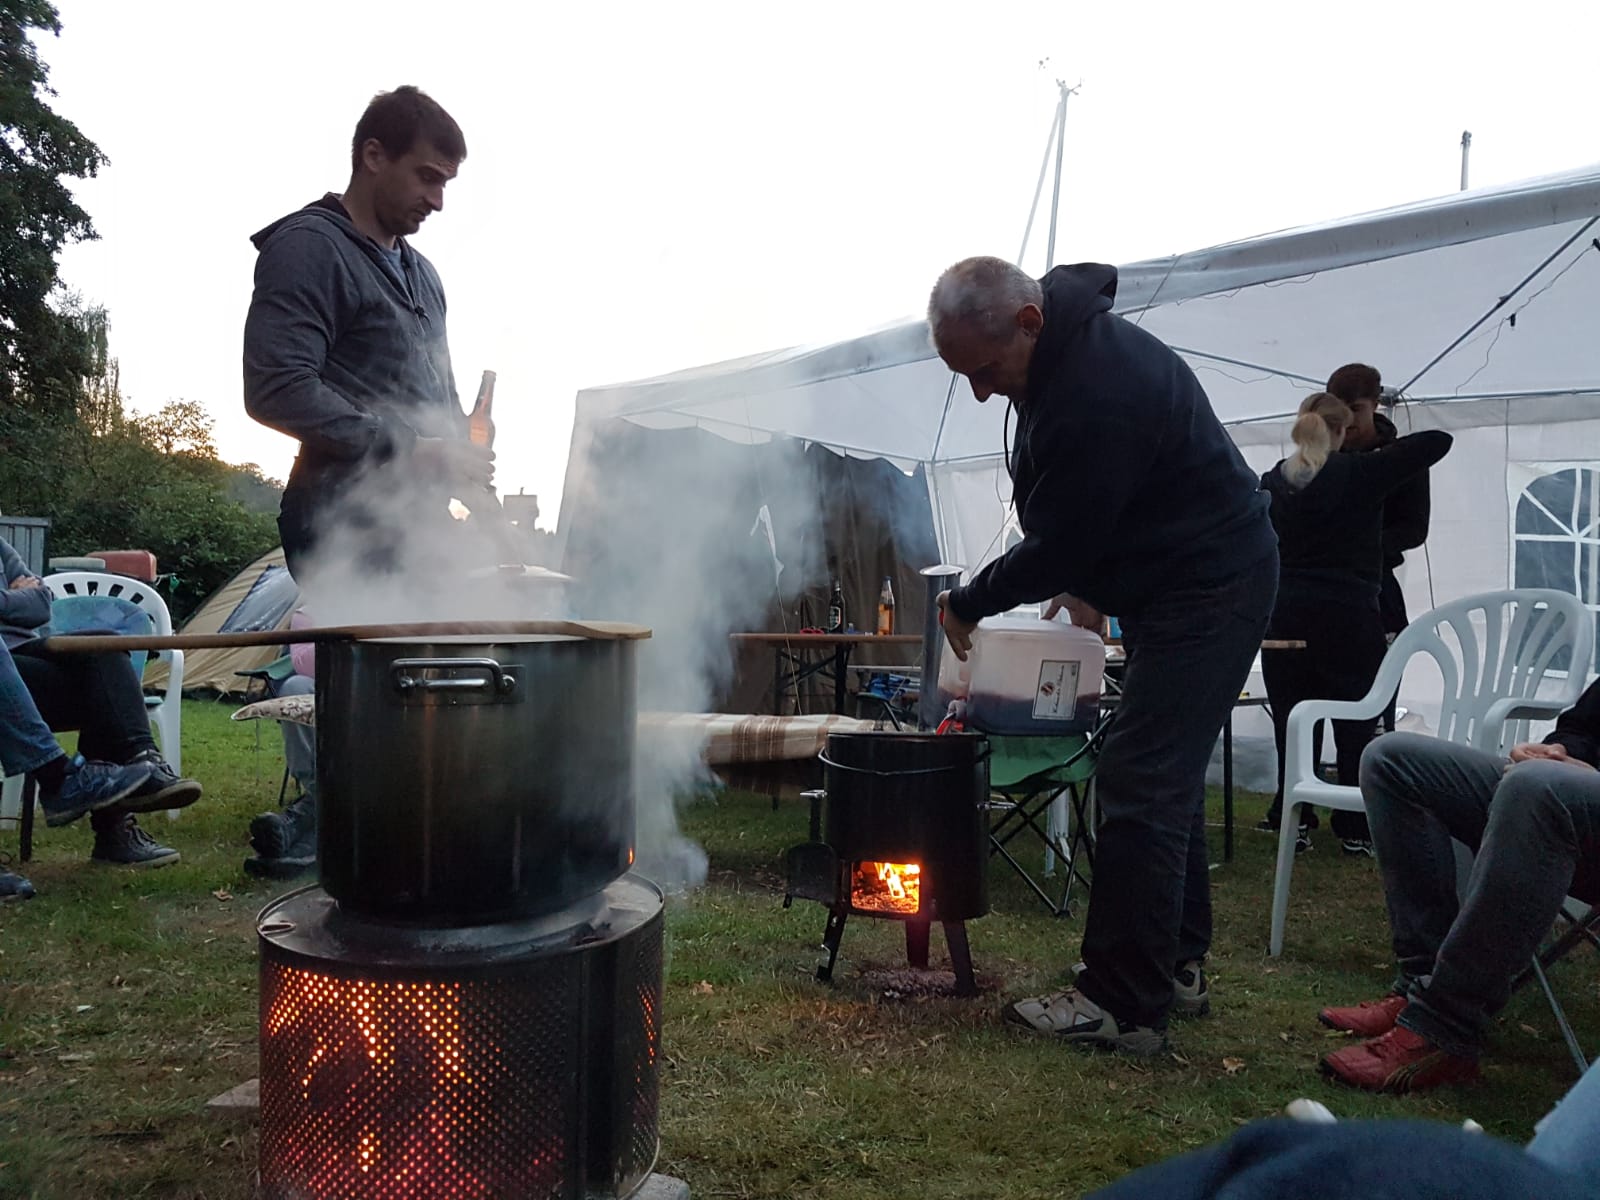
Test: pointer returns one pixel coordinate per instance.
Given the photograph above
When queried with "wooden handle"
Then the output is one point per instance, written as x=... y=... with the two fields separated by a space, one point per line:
x=605 y=631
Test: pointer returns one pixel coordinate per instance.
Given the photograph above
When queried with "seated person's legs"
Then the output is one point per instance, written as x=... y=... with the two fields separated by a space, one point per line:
x=67 y=789
x=100 y=695
x=285 y=843
x=1530 y=826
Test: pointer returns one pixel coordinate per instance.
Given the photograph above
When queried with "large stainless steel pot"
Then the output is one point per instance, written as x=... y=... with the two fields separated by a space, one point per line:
x=465 y=779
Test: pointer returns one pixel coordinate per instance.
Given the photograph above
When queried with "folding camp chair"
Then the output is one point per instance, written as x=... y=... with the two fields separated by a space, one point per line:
x=1045 y=785
x=1580 y=926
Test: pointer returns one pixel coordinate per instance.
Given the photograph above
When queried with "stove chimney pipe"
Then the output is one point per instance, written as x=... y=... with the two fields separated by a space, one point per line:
x=938 y=579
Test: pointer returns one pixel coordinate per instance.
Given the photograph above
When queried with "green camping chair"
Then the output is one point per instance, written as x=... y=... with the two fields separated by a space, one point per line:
x=1044 y=785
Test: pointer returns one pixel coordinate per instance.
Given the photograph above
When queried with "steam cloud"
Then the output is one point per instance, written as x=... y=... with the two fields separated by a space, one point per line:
x=672 y=537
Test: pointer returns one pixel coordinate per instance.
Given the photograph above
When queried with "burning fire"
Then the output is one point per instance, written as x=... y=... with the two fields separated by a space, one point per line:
x=886 y=887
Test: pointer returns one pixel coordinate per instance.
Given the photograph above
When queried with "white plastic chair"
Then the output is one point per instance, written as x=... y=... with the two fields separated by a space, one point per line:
x=1495 y=652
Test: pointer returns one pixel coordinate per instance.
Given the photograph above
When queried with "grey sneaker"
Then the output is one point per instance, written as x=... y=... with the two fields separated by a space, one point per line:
x=1073 y=1017
x=285 y=843
x=1191 y=997
x=119 y=842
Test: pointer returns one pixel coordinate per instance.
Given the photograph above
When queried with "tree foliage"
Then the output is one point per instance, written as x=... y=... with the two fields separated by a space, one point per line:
x=109 y=480
x=46 y=349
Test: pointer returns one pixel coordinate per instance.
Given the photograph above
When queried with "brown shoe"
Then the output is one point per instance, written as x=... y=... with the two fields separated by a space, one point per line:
x=1369 y=1019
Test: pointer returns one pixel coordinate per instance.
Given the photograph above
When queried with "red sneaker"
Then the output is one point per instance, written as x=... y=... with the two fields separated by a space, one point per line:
x=1399 y=1061
x=1369 y=1019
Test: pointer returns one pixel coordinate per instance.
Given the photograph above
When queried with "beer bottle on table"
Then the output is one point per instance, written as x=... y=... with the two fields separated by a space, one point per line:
x=480 y=425
x=886 y=608
x=836 y=608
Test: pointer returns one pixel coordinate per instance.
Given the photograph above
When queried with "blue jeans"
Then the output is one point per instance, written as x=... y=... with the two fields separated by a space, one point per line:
x=1531 y=827
x=1189 y=653
x=26 y=742
x=299 y=741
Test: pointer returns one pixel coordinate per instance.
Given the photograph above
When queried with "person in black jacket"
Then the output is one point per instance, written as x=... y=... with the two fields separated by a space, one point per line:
x=1406 y=511
x=1533 y=820
x=1132 y=500
x=1328 y=510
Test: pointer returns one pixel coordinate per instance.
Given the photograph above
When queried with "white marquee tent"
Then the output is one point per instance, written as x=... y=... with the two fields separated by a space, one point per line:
x=1480 y=306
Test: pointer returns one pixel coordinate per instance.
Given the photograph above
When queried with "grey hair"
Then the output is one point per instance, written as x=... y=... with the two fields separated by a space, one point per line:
x=985 y=293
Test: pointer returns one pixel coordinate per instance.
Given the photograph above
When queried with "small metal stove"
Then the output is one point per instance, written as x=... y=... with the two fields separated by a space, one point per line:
x=901 y=832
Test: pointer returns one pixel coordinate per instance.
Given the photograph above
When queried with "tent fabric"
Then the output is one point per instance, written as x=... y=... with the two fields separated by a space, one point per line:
x=261 y=596
x=1478 y=305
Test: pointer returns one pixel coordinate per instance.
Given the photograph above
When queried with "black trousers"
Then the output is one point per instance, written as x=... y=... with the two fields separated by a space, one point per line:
x=1345 y=645
x=1188 y=654
x=99 y=695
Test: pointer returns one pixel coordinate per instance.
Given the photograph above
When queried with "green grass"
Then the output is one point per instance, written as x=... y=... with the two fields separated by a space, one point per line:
x=128 y=999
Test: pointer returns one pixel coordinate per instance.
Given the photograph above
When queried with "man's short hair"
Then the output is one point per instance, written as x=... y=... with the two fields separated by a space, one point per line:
x=402 y=118
x=1355 y=381
x=986 y=293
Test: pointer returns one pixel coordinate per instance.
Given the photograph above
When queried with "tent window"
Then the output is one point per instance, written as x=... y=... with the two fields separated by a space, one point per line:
x=1556 y=535
x=270 y=599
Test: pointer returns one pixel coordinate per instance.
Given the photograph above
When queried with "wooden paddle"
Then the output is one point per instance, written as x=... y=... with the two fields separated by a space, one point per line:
x=607 y=631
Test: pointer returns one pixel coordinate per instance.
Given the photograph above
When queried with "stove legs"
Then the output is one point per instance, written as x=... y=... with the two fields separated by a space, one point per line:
x=917 y=937
x=917 y=944
x=955 y=936
x=830 y=940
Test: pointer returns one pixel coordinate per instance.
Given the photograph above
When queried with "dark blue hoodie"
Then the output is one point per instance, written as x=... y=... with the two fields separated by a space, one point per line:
x=1125 y=483
x=344 y=351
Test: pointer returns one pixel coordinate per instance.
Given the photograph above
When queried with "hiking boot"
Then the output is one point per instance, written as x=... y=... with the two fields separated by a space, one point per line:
x=1399 y=1061
x=1191 y=997
x=14 y=887
x=119 y=842
x=89 y=787
x=1073 y=1017
x=285 y=842
x=164 y=788
x=1369 y=1019
x=1357 y=847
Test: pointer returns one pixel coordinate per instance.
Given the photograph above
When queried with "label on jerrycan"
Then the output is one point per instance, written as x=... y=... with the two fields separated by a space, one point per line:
x=1056 y=698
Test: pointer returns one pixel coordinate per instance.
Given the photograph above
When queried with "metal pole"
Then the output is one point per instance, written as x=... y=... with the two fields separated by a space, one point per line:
x=1466 y=145
x=1044 y=163
x=1055 y=196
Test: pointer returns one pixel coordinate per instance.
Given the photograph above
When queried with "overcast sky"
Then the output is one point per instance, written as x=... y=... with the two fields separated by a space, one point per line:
x=652 y=186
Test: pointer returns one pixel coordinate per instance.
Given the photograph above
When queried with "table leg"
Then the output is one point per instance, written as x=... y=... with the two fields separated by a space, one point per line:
x=1227 y=788
x=777 y=681
x=841 y=665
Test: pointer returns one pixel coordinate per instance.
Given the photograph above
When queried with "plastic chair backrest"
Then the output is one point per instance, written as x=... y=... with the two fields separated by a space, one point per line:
x=102 y=614
x=120 y=587
x=1492 y=649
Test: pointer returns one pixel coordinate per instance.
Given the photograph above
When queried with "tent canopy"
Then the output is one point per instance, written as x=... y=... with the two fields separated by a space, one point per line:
x=1481 y=294
x=261 y=596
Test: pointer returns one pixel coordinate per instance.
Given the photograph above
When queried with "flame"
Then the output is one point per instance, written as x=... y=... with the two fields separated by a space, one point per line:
x=887 y=887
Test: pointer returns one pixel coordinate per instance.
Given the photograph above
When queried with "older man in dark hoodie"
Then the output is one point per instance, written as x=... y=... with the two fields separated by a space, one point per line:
x=1133 y=501
x=345 y=350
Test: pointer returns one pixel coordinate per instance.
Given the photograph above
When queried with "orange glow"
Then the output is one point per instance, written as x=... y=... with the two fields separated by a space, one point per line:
x=886 y=887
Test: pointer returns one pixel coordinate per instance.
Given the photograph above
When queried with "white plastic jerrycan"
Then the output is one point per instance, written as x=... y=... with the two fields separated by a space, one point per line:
x=1031 y=676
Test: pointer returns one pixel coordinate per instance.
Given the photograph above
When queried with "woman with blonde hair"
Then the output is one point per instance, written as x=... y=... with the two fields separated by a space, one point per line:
x=1327 y=509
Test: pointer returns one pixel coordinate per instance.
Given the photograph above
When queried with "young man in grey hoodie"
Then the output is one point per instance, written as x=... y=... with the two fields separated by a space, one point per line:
x=345 y=350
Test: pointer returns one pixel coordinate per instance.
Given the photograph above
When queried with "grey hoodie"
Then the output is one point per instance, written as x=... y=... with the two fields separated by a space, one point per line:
x=343 y=352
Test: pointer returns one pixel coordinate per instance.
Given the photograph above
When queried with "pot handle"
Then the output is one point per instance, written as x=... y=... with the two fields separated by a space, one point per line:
x=493 y=678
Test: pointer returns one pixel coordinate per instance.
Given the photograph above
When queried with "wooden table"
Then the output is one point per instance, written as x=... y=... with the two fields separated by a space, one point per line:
x=792 y=664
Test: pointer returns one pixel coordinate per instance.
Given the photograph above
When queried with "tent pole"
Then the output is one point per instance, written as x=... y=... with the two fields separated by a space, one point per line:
x=1466 y=145
x=1055 y=196
x=1038 y=188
